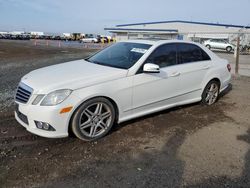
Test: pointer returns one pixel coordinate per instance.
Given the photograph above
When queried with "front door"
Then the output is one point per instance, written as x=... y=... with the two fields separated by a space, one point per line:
x=154 y=90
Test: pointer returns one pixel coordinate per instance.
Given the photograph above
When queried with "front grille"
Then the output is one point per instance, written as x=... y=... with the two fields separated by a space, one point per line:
x=23 y=93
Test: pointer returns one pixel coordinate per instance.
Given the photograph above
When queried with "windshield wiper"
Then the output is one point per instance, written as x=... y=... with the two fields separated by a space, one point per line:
x=98 y=63
x=108 y=65
x=87 y=59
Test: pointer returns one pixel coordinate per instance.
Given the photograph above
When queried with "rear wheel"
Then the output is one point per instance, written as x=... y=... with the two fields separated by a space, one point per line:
x=229 y=49
x=211 y=93
x=208 y=46
x=93 y=119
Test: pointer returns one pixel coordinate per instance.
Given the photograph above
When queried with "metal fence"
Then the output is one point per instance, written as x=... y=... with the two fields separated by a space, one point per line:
x=69 y=44
x=233 y=46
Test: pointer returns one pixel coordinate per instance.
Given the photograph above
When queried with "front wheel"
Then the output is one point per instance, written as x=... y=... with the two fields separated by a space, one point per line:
x=93 y=119
x=211 y=93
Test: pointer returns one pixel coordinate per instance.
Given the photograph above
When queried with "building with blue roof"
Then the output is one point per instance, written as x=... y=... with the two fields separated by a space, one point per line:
x=178 y=29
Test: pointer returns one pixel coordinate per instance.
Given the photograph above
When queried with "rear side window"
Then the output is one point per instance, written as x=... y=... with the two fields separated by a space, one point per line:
x=165 y=55
x=188 y=53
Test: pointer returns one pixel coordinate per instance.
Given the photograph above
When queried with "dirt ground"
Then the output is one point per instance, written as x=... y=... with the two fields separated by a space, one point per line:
x=188 y=146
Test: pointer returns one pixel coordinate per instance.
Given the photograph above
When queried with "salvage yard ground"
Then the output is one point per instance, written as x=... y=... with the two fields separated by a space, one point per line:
x=189 y=146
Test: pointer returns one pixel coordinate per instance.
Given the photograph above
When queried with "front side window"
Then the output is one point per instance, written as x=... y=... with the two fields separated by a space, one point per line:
x=120 y=55
x=188 y=53
x=164 y=56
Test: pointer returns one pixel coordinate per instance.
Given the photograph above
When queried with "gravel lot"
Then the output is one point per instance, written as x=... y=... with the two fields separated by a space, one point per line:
x=189 y=146
x=17 y=58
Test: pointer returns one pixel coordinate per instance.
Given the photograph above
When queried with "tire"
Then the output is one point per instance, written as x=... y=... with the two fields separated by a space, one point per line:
x=211 y=93
x=208 y=46
x=93 y=119
x=229 y=49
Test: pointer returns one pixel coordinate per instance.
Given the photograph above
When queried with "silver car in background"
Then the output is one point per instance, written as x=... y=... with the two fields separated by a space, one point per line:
x=220 y=44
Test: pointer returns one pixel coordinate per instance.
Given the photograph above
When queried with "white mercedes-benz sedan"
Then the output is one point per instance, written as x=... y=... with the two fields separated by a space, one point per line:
x=124 y=81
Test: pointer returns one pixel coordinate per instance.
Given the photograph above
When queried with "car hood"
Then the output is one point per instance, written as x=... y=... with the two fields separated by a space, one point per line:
x=71 y=75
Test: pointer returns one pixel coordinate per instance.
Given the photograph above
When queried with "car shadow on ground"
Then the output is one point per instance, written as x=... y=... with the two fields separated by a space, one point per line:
x=162 y=168
x=173 y=109
x=151 y=167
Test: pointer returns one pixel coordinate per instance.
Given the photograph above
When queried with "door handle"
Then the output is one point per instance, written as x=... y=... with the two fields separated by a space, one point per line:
x=206 y=67
x=174 y=74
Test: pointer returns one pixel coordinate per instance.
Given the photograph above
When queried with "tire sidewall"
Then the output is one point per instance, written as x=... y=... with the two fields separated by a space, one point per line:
x=74 y=125
x=208 y=46
x=229 y=49
x=203 y=96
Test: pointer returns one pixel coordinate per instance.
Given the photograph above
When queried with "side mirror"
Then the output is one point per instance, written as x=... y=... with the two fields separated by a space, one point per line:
x=151 y=68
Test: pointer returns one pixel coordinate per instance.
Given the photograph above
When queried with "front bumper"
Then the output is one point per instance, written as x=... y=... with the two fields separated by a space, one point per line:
x=48 y=114
x=32 y=129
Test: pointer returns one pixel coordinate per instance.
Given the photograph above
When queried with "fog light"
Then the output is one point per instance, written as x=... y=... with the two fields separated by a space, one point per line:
x=44 y=126
x=39 y=124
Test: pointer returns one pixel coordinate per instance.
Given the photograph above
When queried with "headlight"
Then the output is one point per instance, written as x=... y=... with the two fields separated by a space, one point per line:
x=56 y=97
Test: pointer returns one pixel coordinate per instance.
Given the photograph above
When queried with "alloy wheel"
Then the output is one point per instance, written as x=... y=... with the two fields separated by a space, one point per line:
x=95 y=119
x=212 y=94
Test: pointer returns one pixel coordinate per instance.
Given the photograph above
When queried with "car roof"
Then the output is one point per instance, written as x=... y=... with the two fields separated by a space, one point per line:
x=158 y=42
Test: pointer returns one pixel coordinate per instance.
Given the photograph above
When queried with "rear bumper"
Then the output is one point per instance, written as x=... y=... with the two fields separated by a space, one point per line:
x=225 y=83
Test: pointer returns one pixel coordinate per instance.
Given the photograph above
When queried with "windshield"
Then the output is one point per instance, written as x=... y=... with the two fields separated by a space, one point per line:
x=120 y=55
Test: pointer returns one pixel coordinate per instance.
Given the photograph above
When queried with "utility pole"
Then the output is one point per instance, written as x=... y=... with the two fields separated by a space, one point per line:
x=237 y=55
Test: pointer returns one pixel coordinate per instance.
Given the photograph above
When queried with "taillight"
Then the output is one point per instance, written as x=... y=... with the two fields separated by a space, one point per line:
x=229 y=67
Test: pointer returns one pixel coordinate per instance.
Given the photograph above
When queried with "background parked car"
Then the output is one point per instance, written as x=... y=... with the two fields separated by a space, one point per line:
x=102 y=39
x=89 y=40
x=23 y=37
x=219 y=44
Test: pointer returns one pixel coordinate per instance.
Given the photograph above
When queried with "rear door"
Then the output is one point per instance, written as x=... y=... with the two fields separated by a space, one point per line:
x=213 y=43
x=194 y=64
x=219 y=44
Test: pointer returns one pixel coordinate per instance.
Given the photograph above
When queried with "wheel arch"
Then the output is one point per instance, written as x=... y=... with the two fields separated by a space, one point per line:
x=100 y=96
x=229 y=47
x=217 y=79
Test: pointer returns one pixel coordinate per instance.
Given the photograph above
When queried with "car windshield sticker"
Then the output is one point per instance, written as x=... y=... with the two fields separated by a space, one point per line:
x=139 y=50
